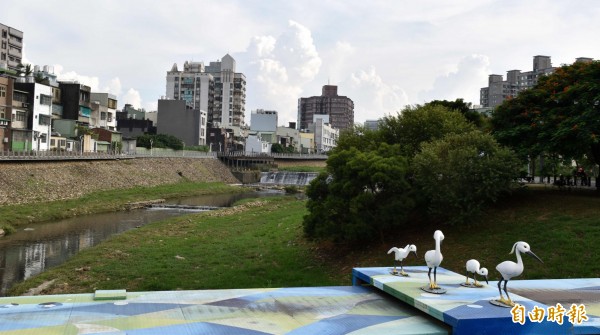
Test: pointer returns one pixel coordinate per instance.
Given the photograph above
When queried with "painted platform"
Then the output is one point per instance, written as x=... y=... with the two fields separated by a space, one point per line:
x=468 y=310
x=314 y=310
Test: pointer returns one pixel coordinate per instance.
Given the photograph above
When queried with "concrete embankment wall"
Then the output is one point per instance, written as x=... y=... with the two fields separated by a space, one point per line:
x=28 y=182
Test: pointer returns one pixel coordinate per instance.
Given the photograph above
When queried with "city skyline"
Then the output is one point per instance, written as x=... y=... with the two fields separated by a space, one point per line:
x=383 y=55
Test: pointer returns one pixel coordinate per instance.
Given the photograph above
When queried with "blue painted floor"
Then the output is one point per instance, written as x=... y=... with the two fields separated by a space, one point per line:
x=314 y=310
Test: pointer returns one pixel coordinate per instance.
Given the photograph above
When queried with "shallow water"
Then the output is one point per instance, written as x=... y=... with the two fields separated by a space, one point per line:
x=36 y=247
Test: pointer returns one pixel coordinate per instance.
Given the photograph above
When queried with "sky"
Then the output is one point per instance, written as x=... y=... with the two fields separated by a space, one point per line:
x=384 y=55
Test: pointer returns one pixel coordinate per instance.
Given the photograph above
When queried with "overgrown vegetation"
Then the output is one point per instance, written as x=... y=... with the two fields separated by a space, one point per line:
x=159 y=141
x=426 y=163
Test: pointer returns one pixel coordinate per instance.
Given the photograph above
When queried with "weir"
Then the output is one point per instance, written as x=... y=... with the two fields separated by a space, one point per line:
x=287 y=178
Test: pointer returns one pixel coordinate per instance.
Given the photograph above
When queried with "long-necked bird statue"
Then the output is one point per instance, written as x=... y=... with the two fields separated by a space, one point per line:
x=434 y=258
x=510 y=269
x=473 y=267
x=399 y=255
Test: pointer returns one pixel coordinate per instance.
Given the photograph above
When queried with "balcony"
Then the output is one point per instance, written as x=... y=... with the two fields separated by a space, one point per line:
x=15 y=42
x=14 y=52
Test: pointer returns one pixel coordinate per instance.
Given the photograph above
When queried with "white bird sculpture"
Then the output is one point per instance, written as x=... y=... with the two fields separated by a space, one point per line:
x=400 y=255
x=510 y=269
x=434 y=258
x=473 y=267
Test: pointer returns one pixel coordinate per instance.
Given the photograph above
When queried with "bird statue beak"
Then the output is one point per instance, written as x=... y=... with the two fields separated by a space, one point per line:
x=486 y=280
x=417 y=257
x=530 y=253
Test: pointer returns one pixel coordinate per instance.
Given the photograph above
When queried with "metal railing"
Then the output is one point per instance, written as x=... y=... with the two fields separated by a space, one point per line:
x=143 y=153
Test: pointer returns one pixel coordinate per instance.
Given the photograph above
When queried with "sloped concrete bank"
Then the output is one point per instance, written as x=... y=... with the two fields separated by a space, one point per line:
x=29 y=182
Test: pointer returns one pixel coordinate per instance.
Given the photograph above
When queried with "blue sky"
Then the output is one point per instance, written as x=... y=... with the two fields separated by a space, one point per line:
x=383 y=55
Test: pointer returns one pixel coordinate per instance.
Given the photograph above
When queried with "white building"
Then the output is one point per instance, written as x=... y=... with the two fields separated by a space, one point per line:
x=230 y=94
x=216 y=89
x=325 y=136
x=104 y=111
x=255 y=145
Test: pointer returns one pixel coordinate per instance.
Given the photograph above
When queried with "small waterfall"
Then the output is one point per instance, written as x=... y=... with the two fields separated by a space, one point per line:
x=287 y=178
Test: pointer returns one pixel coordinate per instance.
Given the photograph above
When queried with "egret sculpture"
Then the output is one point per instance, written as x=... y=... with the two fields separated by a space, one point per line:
x=473 y=267
x=400 y=254
x=434 y=258
x=510 y=269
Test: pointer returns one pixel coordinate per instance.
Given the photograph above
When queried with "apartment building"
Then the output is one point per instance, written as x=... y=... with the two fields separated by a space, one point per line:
x=103 y=111
x=339 y=109
x=217 y=89
x=11 y=47
x=516 y=81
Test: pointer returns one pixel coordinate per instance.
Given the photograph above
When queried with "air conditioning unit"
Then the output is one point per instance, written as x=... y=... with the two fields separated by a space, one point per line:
x=25 y=105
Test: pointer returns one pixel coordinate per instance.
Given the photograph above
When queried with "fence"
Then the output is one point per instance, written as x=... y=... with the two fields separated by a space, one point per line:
x=143 y=152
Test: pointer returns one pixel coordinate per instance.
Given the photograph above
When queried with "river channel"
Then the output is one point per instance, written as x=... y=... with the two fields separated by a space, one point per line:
x=36 y=247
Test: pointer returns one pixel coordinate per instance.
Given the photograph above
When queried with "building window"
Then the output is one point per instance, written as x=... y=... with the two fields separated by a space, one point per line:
x=102 y=116
x=2 y=91
x=45 y=100
x=20 y=116
x=44 y=120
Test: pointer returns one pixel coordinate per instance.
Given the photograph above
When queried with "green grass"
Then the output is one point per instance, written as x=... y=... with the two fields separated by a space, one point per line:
x=263 y=246
x=104 y=201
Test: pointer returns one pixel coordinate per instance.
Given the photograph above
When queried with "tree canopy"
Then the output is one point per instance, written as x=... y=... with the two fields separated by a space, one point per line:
x=558 y=116
x=377 y=180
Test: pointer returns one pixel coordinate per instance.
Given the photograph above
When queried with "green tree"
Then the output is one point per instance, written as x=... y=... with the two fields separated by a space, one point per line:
x=363 y=195
x=461 y=173
x=159 y=141
x=420 y=124
x=462 y=107
x=558 y=116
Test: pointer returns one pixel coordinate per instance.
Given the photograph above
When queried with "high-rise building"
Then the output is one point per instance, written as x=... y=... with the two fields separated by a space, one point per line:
x=11 y=47
x=216 y=89
x=230 y=93
x=516 y=81
x=340 y=109
x=191 y=84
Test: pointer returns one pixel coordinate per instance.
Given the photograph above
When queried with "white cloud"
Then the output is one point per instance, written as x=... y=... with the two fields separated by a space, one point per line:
x=380 y=53
x=464 y=82
x=114 y=87
x=133 y=98
x=278 y=68
x=377 y=97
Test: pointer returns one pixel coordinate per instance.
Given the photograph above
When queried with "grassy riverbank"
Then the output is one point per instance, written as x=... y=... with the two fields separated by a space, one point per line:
x=256 y=244
x=104 y=202
x=260 y=244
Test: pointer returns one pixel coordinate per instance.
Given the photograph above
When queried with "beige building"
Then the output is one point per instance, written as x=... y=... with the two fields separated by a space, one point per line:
x=11 y=47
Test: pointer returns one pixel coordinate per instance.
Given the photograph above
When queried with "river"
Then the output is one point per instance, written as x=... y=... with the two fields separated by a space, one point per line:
x=36 y=247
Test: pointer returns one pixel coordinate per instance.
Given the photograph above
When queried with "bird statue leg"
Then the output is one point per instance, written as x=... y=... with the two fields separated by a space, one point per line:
x=476 y=283
x=500 y=290
x=508 y=301
x=402 y=270
x=429 y=275
x=395 y=271
x=434 y=285
x=467 y=275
